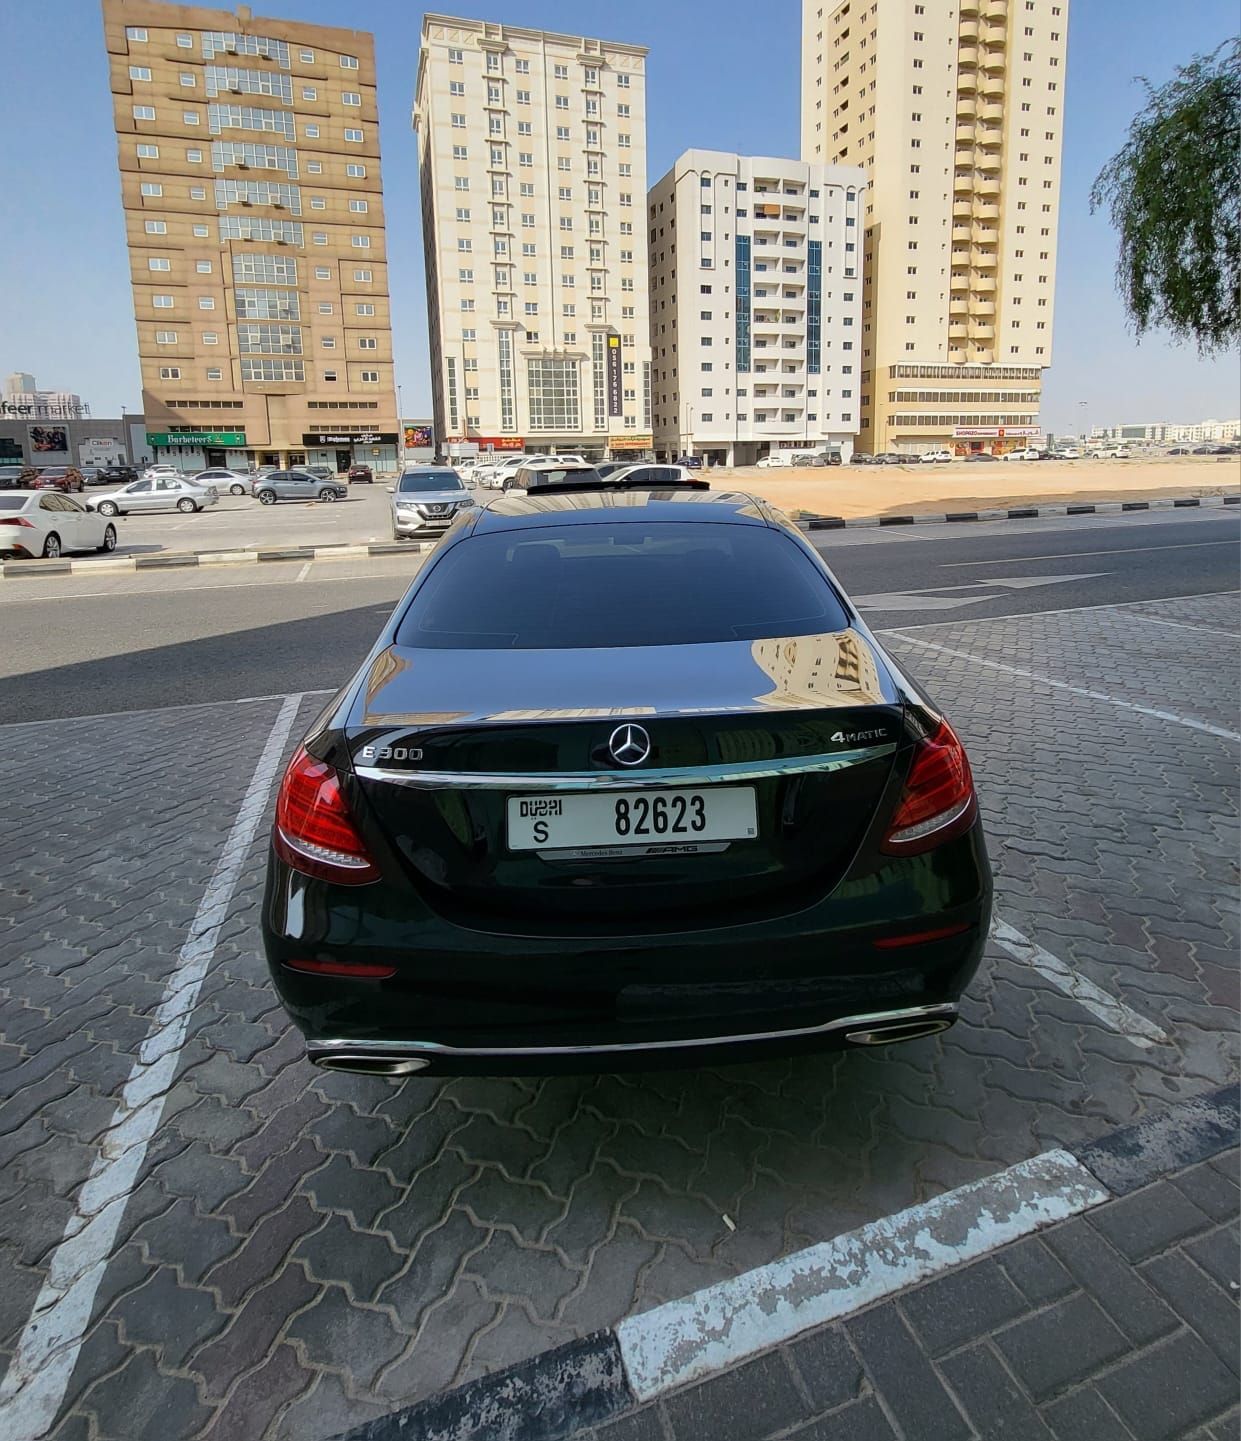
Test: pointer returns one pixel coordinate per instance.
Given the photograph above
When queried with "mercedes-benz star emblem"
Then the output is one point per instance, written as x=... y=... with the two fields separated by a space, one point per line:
x=630 y=745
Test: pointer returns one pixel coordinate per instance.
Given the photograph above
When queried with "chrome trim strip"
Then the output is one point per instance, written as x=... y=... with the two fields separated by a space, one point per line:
x=946 y=1011
x=628 y=780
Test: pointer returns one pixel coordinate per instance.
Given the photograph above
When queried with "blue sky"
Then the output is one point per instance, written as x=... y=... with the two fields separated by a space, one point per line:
x=722 y=75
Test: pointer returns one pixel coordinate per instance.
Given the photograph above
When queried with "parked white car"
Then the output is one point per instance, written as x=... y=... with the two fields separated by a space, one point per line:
x=1029 y=453
x=49 y=524
x=1067 y=452
x=160 y=492
x=153 y=470
x=777 y=460
x=936 y=457
x=490 y=473
x=232 y=481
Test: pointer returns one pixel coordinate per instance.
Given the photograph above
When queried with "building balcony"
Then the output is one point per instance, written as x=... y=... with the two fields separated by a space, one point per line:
x=957 y=330
x=984 y=355
x=991 y=110
x=994 y=9
x=965 y=132
x=963 y=208
x=970 y=8
x=968 y=32
x=958 y=307
x=994 y=30
x=983 y=284
x=994 y=58
x=992 y=88
x=984 y=234
x=963 y=182
x=981 y=330
x=988 y=161
x=983 y=259
x=986 y=210
x=967 y=107
x=982 y=309
x=988 y=186
x=966 y=55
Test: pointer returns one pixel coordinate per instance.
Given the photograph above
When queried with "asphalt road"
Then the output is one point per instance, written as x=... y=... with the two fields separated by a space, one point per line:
x=86 y=646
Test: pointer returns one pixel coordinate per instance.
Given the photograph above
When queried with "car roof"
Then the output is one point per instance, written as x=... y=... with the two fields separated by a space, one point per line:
x=589 y=507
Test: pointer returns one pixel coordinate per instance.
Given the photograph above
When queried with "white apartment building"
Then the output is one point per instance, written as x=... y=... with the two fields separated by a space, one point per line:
x=1168 y=432
x=756 y=304
x=532 y=153
x=956 y=111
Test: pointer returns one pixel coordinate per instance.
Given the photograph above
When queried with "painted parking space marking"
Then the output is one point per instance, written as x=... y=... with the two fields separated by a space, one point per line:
x=1183 y=625
x=1098 y=1002
x=1078 y=690
x=682 y=1341
x=929 y=599
x=34 y=1387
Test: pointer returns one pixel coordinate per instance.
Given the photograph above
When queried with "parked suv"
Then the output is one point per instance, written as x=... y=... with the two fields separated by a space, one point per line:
x=426 y=500
x=297 y=485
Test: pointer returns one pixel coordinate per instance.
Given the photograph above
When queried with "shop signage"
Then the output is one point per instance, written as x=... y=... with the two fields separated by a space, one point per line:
x=495 y=442
x=980 y=432
x=360 y=437
x=614 y=375
x=214 y=438
x=630 y=442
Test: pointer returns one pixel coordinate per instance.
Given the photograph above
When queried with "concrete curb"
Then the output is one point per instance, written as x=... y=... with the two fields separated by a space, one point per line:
x=36 y=569
x=610 y=1373
x=1033 y=512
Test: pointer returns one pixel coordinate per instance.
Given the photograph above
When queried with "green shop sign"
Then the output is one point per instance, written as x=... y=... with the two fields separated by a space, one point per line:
x=196 y=437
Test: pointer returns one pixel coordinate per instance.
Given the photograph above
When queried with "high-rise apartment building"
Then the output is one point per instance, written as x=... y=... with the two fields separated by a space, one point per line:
x=249 y=156
x=532 y=152
x=756 y=303
x=956 y=111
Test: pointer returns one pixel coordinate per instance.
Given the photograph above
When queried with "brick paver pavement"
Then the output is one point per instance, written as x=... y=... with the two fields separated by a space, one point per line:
x=304 y=1251
x=1120 y=1325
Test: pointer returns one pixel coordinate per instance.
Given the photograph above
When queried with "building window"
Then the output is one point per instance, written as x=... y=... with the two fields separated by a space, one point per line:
x=367 y=342
x=203 y=267
x=350 y=97
x=456 y=57
x=210 y=337
x=354 y=137
x=266 y=368
x=136 y=33
x=158 y=262
x=201 y=231
x=139 y=72
x=144 y=112
x=355 y=171
x=370 y=377
x=322 y=273
x=553 y=395
x=169 y=372
x=155 y=227
x=348 y=62
x=206 y=302
x=364 y=309
x=360 y=242
x=194 y=157
x=358 y=207
x=162 y=302
x=165 y=337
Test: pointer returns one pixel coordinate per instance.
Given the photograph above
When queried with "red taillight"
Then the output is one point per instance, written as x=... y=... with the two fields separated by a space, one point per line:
x=358 y=971
x=938 y=801
x=919 y=938
x=314 y=831
x=19 y=520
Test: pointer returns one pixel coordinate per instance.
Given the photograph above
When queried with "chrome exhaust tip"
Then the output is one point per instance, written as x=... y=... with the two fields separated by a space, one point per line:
x=893 y=1031
x=366 y=1063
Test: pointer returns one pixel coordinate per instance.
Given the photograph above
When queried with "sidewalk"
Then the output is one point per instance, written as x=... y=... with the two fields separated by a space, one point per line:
x=1119 y=1323
x=1116 y=1325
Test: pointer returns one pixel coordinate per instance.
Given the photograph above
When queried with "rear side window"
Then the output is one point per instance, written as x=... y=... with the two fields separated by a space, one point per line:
x=13 y=502
x=619 y=584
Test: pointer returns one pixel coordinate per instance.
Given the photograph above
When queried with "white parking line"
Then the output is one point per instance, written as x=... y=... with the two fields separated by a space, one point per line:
x=159 y=710
x=1183 y=625
x=1114 y=1013
x=1120 y=605
x=47 y=1350
x=1145 y=710
x=1074 y=554
x=684 y=1340
x=305 y=570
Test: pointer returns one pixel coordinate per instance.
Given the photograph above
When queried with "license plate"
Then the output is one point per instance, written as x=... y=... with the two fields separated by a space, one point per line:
x=649 y=820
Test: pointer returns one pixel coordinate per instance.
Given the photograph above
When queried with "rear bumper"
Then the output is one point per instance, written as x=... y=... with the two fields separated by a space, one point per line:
x=471 y=1000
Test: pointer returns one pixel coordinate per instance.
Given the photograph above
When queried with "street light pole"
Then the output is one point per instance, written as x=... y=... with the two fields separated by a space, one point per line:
x=1084 y=407
x=689 y=446
x=400 y=430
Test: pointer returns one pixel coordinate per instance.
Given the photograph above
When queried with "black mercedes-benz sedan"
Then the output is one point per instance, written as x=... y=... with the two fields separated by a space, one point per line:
x=625 y=780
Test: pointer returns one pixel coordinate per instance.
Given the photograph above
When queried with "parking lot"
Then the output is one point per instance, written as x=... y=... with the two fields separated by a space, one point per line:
x=294 y=1252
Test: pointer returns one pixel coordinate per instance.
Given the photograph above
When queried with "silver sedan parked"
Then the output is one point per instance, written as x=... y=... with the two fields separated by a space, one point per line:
x=297 y=485
x=426 y=500
x=232 y=481
x=160 y=492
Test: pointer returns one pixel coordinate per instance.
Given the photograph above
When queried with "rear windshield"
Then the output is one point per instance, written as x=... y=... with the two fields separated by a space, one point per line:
x=423 y=480
x=619 y=584
x=13 y=502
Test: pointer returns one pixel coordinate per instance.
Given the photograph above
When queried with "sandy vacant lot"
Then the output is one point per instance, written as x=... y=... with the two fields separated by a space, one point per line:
x=856 y=490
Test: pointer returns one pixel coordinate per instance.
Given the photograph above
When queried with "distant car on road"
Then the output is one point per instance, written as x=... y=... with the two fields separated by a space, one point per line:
x=161 y=492
x=1028 y=452
x=690 y=462
x=324 y=472
x=981 y=455
x=114 y=475
x=1203 y=450
x=777 y=460
x=153 y=470
x=231 y=481
x=361 y=473
x=297 y=485
x=859 y=457
x=11 y=477
x=936 y=457
x=1067 y=452
x=426 y=500
x=893 y=457
x=48 y=524
x=60 y=477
